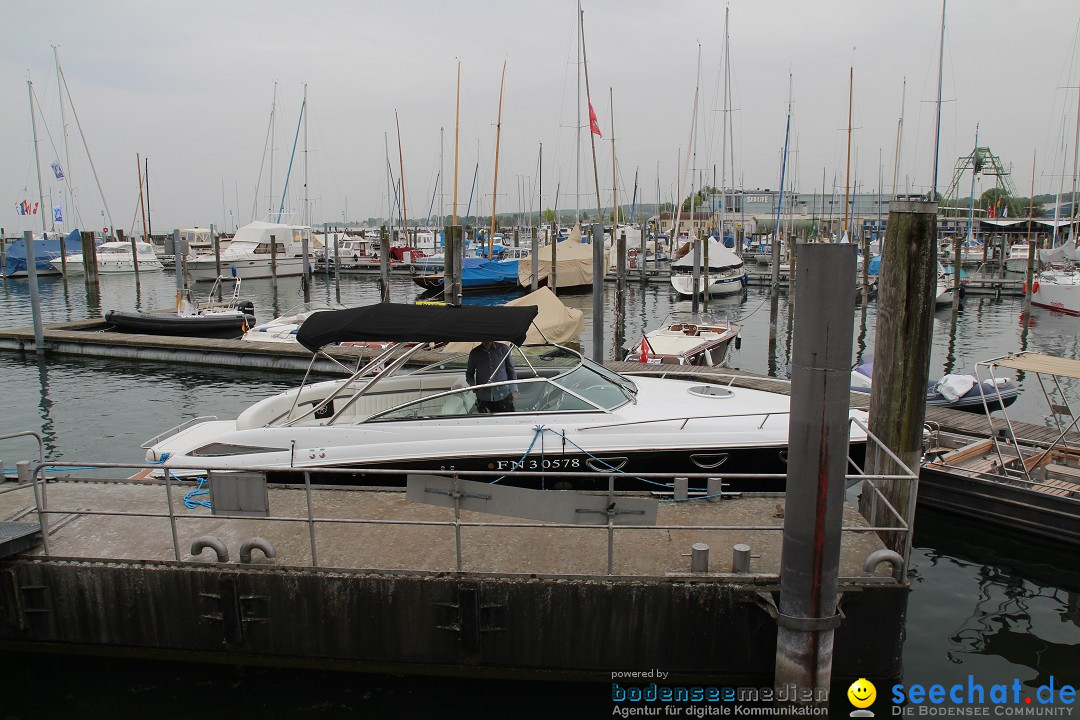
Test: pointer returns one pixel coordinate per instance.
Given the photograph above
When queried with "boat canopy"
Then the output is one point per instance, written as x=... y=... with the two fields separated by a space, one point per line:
x=398 y=322
x=1039 y=363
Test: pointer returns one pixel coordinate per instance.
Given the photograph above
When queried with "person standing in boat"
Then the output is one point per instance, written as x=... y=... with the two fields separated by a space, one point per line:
x=489 y=362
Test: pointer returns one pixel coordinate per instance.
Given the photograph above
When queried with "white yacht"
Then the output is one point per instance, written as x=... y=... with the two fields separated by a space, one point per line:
x=725 y=271
x=113 y=257
x=250 y=253
x=570 y=414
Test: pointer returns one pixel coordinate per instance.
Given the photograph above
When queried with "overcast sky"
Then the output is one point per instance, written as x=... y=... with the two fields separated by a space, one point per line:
x=190 y=85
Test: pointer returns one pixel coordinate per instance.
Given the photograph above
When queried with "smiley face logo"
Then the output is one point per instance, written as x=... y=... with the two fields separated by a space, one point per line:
x=862 y=693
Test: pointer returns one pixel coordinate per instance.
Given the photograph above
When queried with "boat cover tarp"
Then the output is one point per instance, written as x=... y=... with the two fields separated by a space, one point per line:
x=479 y=272
x=720 y=257
x=555 y=322
x=397 y=322
x=44 y=251
x=574 y=263
x=1060 y=253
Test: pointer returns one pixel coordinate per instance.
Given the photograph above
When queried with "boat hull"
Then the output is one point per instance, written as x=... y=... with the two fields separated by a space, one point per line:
x=729 y=285
x=202 y=270
x=1056 y=296
x=75 y=267
x=211 y=325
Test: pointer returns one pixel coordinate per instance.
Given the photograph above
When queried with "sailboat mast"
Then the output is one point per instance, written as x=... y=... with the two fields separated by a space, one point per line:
x=614 y=192
x=937 y=121
x=899 y=140
x=1076 y=149
x=974 y=170
x=847 y=175
x=588 y=100
x=780 y=198
x=401 y=175
x=64 y=127
x=457 y=133
x=273 y=109
x=724 y=126
x=306 y=221
x=577 y=129
x=142 y=202
x=37 y=160
x=495 y=184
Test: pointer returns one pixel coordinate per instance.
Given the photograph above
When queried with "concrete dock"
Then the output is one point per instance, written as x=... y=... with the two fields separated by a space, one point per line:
x=531 y=600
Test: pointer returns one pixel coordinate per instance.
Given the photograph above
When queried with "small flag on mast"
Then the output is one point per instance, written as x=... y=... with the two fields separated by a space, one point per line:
x=58 y=171
x=58 y=215
x=594 y=125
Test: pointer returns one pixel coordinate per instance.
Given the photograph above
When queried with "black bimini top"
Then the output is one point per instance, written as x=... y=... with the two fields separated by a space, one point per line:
x=397 y=322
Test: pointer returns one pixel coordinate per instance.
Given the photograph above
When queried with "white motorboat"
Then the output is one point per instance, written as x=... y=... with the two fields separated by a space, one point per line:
x=113 y=257
x=570 y=414
x=1017 y=261
x=686 y=343
x=1057 y=289
x=726 y=273
x=250 y=253
x=283 y=329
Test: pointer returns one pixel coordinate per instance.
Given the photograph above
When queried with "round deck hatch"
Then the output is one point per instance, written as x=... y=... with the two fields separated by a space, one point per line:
x=714 y=391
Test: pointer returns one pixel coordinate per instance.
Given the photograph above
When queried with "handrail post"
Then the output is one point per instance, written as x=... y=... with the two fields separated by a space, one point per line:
x=310 y=519
x=172 y=515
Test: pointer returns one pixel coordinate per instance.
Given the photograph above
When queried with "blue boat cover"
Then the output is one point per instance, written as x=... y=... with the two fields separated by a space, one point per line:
x=44 y=250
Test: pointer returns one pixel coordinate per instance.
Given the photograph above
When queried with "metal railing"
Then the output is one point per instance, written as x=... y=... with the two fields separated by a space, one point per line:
x=315 y=515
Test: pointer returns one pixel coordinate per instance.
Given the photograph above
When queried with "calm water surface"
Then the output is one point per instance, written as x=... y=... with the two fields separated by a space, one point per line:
x=983 y=603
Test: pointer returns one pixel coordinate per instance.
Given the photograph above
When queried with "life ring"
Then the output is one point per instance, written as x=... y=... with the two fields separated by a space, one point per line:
x=1035 y=286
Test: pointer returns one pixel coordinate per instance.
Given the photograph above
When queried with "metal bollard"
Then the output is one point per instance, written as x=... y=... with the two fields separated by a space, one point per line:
x=2 y=470
x=699 y=558
x=682 y=488
x=23 y=469
x=740 y=558
x=714 y=488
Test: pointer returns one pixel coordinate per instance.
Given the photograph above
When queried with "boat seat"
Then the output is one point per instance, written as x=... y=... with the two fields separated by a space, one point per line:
x=461 y=403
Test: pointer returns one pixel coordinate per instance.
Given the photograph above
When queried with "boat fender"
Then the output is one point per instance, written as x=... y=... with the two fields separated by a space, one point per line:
x=1035 y=286
x=738 y=342
x=1023 y=288
x=893 y=558
x=209 y=541
x=256 y=543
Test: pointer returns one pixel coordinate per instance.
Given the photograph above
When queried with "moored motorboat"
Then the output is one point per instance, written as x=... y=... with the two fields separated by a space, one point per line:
x=693 y=342
x=112 y=257
x=258 y=250
x=570 y=414
x=210 y=318
x=955 y=391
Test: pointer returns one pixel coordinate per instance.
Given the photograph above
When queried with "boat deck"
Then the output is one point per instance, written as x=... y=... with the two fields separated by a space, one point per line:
x=379 y=530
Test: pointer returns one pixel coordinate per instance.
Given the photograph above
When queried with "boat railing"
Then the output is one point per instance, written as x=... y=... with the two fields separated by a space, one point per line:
x=173 y=431
x=312 y=520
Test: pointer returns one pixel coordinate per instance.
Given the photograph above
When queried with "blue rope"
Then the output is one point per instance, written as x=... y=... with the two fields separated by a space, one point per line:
x=538 y=431
x=189 y=500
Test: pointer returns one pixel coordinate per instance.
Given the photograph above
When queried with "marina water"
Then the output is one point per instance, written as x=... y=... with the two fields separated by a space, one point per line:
x=984 y=602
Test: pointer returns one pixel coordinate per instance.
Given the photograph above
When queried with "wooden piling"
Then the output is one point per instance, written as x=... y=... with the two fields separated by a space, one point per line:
x=901 y=354
x=384 y=264
x=273 y=259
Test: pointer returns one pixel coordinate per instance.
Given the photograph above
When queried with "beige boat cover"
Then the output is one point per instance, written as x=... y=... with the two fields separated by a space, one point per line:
x=574 y=259
x=560 y=324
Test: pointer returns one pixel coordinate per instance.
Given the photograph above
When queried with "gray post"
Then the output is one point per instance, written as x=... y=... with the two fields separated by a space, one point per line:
x=337 y=265
x=307 y=267
x=35 y=301
x=901 y=355
x=178 y=254
x=217 y=258
x=817 y=461
x=273 y=258
x=620 y=294
x=553 y=283
x=326 y=249
x=598 y=292
x=534 y=258
x=699 y=558
x=695 y=283
x=3 y=256
x=641 y=254
x=384 y=264
x=134 y=254
x=450 y=256
x=956 y=273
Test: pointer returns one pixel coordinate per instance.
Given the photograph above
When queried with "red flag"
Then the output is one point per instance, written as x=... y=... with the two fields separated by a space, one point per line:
x=644 y=350
x=593 y=124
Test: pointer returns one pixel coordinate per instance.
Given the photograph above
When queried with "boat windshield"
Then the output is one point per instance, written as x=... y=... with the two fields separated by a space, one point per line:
x=550 y=379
